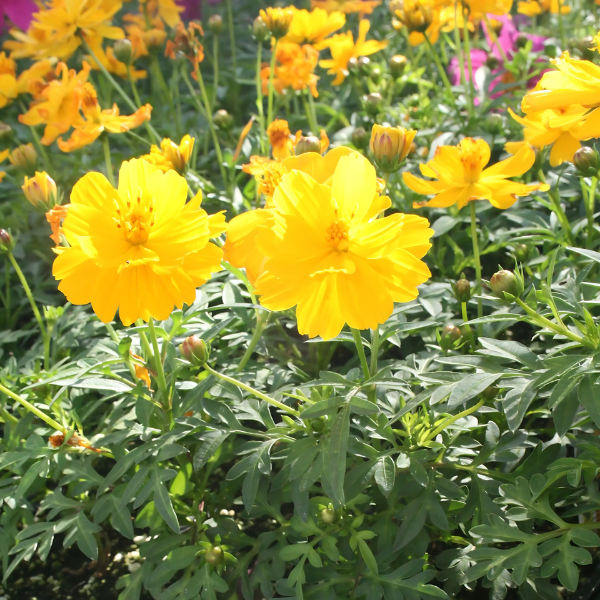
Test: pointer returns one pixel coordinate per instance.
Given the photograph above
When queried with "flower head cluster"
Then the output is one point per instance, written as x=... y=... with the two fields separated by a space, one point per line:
x=343 y=48
x=139 y=249
x=94 y=121
x=170 y=155
x=462 y=176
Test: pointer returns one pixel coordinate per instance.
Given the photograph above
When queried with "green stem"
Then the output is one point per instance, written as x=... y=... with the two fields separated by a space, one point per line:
x=311 y=123
x=361 y=352
x=541 y=321
x=252 y=391
x=561 y=27
x=461 y=60
x=31 y=408
x=494 y=37
x=162 y=383
x=115 y=338
x=453 y=419
x=558 y=211
x=477 y=260
x=261 y=323
x=36 y=312
x=313 y=112
x=468 y=55
x=7 y=296
x=441 y=70
x=215 y=68
x=467 y=327
x=374 y=351
x=231 y=37
x=107 y=160
x=240 y=275
x=138 y=102
x=211 y=124
x=590 y=208
x=259 y=99
x=271 y=87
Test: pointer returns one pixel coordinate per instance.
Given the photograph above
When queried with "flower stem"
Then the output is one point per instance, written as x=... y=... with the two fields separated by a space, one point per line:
x=231 y=37
x=309 y=115
x=252 y=391
x=138 y=102
x=361 y=352
x=467 y=327
x=36 y=312
x=442 y=71
x=271 y=87
x=31 y=408
x=211 y=124
x=468 y=54
x=590 y=207
x=450 y=420
x=259 y=98
x=461 y=60
x=374 y=351
x=477 y=260
x=261 y=323
x=115 y=338
x=495 y=39
x=215 y=69
x=107 y=160
x=162 y=383
x=558 y=211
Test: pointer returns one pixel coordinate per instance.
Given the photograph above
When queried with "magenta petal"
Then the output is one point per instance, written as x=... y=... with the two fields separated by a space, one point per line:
x=19 y=11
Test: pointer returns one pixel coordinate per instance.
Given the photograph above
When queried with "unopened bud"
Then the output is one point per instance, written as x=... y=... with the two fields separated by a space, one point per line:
x=521 y=40
x=123 y=51
x=373 y=103
x=375 y=74
x=195 y=350
x=490 y=392
x=390 y=146
x=494 y=124
x=260 y=30
x=278 y=20
x=504 y=282
x=222 y=119
x=6 y=132
x=309 y=143
x=451 y=333
x=364 y=64
x=40 y=190
x=6 y=242
x=492 y=62
x=398 y=64
x=522 y=252
x=462 y=290
x=24 y=157
x=360 y=138
x=215 y=23
x=585 y=46
x=214 y=555
x=587 y=161
x=328 y=516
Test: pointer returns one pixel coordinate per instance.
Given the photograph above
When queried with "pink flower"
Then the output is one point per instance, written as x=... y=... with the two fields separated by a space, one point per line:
x=508 y=37
x=193 y=8
x=18 y=12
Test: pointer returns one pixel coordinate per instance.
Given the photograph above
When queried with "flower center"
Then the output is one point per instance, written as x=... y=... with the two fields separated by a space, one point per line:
x=471 y=157
x=137 y=221
x=337 y=235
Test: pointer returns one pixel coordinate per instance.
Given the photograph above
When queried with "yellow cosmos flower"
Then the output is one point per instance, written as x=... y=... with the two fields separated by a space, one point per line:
x=277 y=20
x=241 y=249
x=144 y=34
x=547 y=128
x=170 y=155
x=329 y=255
x=58 y=104
x=139 y=249
x=96 y=121
x=479 y=8
x=30 y=81
x=363 y=7
x=576 y=82
x=168 y=10
x=462 y=177
x=420 y=17
x=294 y=68
x=40 y=190
x=314 y=26
x=532 y=8
x=67 y=23
x=3 y=156
x=343 y=48
x=113 y=65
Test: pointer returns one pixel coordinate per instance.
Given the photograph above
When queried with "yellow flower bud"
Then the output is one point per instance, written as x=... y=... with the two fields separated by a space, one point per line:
x=40 y=190
x=24 y=157
x=415 y=15
x=390 y=146
x=278 y=20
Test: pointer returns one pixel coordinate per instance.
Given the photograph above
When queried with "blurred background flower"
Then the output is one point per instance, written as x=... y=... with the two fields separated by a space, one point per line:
x=18 y=12
x=193 y=8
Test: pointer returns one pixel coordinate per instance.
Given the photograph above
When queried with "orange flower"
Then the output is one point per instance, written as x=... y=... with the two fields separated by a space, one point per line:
x=187 y=42
x=295 y=68
x=59 y=103
x=343 y=48
x=110 y=62
x=55 y=217
x=166 y=9
x=256 y=165
x=280 y=138
x=144 y=33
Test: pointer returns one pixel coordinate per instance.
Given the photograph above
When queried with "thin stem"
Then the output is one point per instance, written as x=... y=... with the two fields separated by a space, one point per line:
x=313 y=111
x=311 y=123
x=261 y=323
x=468 y=54
x=494 y=37
x=271 y=87
x=36 y=312
x=115 y=338
x=374 y=351
x=461 y=60
x=31 y=408
x=211 y=124
x=590 y=208
x=451 y=420
x=259 y=98
x=441 y=70
x=252 y=391
x=231 y=37
x=162 y=383
x=361 y=352
x=561 y=27
x=558 y=211
x=240 y=275
x=7 y=295
x=467 y=327
x=215 y=69
x=477 y=260
x=107 y=160
x=138 y=101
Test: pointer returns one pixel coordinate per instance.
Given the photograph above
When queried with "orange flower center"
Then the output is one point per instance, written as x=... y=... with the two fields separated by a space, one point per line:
x=138 y=220
x=337 y=235
x=471 y=156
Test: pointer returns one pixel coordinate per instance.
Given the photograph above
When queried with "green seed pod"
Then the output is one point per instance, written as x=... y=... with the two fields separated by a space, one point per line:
x=587 y=161
x=123 y=51
x=360 y=138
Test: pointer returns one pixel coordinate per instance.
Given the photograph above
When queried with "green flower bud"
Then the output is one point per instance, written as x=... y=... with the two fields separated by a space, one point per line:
x=494 y=124
x=360 y=138
x=308 y=143
x=328 y=516
x=585 y=46
x=364 y=64
x=123 y=51
x=462 y=290
x=6 y=242
x=375 y=74
x=451 y=333
x=260 y=30
x=214 y=555
x=587 y=161
x=390 y=146
x=492 y=62
x=222 y=119
x=25 y=158
x=215 y=23
x=522 y=252
x=398 y=64
x=195 y=350
x=6 y=132
x=490 y=392
x=373 y=103
x=521 y=40
x=505 y=282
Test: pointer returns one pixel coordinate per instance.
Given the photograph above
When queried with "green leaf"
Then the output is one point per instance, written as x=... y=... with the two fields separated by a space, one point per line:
x=368 y=556
x=565 y=561
x=85 y=536
x=335 y=458
x=163 y=504
x=512 y=350
x=385 y=475
x=589 y=396
x=293 y=551
x=322 y=408
x=470 y=387
x=211 y=440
